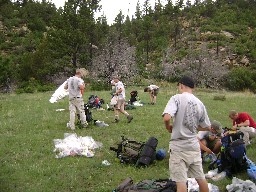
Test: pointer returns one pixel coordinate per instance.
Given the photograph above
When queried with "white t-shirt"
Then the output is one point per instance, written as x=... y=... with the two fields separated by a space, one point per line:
x=204 y=134
x=74 y=86
x=188 y=112
x=153 y=87
x=120 y=85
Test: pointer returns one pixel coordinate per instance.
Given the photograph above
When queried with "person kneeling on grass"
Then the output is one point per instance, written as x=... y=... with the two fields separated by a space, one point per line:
x=244 y=123
x=210 y=141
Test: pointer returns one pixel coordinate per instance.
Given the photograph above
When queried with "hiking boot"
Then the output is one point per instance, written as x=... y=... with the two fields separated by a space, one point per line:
x=84 y=125
x=129 y=117
x=116 y=120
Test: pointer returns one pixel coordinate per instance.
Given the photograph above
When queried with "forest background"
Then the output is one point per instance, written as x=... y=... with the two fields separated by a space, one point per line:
x=212 y=41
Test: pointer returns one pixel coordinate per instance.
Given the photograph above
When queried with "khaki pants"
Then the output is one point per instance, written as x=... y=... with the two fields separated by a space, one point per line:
x=249 y=133
x=184 y=164
x=76 y=104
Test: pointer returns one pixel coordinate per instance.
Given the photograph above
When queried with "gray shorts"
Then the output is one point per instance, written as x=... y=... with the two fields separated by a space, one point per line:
x=184 y=164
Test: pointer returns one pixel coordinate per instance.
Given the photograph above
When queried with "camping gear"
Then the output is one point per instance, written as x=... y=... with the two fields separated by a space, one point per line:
x=134 y=95
x=160 y=154
x=147 y=185
x=88 y=114
x=134 y=152
x=232 y=158
x=95 y=102
x=251 y=171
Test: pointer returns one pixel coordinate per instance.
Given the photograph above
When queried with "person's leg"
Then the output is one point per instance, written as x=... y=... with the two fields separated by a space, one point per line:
x=217 y=146
x=249 y=133
x=196 y=170
x=72 y=114
x=80 y=109
x=203 y=185
x=151 y=98
x=177 y=168
x=129 y=117
x=181 y=187
x=116 y=112
x=155 y=94
x=155 y=99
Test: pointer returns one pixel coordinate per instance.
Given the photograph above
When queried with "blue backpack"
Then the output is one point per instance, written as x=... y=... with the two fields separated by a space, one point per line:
x=232 y=158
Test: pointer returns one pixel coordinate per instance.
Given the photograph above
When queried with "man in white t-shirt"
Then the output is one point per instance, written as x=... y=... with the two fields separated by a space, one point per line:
x=153 y=91
x=75 y=86
x=189 y=116
x=120 y=94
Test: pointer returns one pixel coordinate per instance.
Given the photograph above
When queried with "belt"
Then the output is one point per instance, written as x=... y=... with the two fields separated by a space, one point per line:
x=76 y=97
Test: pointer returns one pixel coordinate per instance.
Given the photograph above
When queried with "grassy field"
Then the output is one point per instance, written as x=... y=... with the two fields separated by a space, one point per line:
x=29 y=123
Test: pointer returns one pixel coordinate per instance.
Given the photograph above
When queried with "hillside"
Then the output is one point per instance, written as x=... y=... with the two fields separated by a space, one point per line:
x=210 y=41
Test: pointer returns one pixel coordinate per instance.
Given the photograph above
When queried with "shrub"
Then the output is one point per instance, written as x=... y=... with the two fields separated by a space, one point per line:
x=240 y=79
x=99 y=86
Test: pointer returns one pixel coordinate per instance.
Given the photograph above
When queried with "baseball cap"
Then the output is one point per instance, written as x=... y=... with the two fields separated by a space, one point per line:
x=187 y=81
x=216 y=125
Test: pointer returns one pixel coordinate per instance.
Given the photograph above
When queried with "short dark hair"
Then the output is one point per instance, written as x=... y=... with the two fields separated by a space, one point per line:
x=146 y=89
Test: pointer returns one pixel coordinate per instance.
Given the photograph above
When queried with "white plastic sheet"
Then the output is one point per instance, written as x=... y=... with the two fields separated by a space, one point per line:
x=60 y=93
x=72 y=145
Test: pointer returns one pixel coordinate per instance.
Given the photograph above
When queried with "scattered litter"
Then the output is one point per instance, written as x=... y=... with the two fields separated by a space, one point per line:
x=72 y=145
x=100 y=124
x=240 y=185
x=209 y=158
x=60 y=109
x=137 y=103
x=194 y=187
x=100 y=109
x=106 y=163
x=219 y=176
x=211 y=173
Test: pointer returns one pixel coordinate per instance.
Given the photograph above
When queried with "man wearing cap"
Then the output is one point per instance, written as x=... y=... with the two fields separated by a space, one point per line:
x=120 y=94
x=75 y=86
x=245 y=123
x=210 y=141
x=189 y=116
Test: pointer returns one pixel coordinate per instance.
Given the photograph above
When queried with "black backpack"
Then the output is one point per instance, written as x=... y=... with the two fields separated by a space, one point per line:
x=148 y=185
x=133 y=98
x=232 y=158
x=134 y=152
x=91 y=101
x=88 y=114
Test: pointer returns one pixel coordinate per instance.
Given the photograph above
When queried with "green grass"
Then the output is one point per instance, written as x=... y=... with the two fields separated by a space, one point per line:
x=29 y=123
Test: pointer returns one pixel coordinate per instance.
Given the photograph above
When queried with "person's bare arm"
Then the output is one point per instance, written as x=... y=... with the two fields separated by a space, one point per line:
x=199 y=128
x=82 y=88
x=244 y=124
x=167 y=119
x=66 y=86
x=204 y=148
